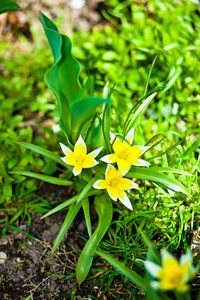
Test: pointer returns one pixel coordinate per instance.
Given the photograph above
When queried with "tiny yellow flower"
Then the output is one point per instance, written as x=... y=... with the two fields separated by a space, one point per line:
x=124 y=154
x=172 y=275
x=116 y=185
x=79 y=158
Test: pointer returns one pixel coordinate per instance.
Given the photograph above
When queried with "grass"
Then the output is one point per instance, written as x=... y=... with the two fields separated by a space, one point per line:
x=123 y=55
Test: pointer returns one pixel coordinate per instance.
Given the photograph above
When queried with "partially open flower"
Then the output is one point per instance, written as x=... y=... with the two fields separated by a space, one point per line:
x=79 y=158
x=124 y=154
x=172 y=275
x=116 y=185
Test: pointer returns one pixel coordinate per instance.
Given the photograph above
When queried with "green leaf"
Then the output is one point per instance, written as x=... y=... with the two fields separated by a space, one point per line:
x=148 y=174
x=14 y=228
x=167 y=150
x=8 y=5
x=192 y=148
x=86 y=210
x=63 y=77
x=106 y=117
x=44 y=152
x=149 y=76
x=139 y=111
x=172 y=80
x=2 y=169
x=84 y=110
x=88 y=187
x=73 y=210
x=68 y=202
x=104 y=209
x=46 y=178
x=132 y=275
x=171 y=170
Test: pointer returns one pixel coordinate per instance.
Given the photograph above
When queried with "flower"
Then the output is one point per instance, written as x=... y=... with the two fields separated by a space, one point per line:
x=116 y=185
x=79 y=158
x=172 y=275
x=124 y=154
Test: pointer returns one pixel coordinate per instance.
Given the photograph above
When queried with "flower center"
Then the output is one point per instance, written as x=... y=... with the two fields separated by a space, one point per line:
x=123 y=154
x=79 y=159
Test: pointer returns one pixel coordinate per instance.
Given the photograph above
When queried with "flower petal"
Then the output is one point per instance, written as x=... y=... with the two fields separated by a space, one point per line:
x=100 y=184
x=125 y=200
x=110 y=173
x=113 y=157
x=166 y=255
x=106 y=158
x=65 y=160
x=123 y=165
x=80 y=147
x=144 y=148
x=126 y=184
x=112 y=137
x=96 y=152
x=71 y=159
x=89 y=161
x=118 y=146
x=152 y=268
x=134 y=152
x=112 y=191
x=65 y=149
x=142 y=163
x=80 y=150
x=130 y=135
x=77 y=170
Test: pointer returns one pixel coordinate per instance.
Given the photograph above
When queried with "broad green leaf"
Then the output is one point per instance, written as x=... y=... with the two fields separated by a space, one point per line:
x=8 y=5
x=68 y=202
x=63 y=77
x=88 y=187
x=84 y=110
x=148 y=174
x=7 y=190
x=139 y=111
x=104 y=209
x=73 y=210
x=171 y=170
x=2 y=169
x=131 y=274
x=44 y=152
x=46 y=178
x=86 y=209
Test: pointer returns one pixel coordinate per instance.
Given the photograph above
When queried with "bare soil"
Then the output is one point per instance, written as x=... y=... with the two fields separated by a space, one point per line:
x=32 y=268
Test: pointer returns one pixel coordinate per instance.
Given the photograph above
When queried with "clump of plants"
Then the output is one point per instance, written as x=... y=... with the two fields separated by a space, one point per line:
x=104 y=164
x=100 y=164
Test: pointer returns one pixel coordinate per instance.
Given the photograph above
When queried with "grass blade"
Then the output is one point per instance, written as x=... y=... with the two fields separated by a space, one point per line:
x=73 y=210
x=86 y=210
x=46 y=178
x=148 y=174
x=132 y=275
x=104 y=209
x=44 y=152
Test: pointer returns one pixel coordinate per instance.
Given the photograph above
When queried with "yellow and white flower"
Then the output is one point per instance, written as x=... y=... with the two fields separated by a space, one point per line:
x=124 y=154
x=79 y=158
x=116 y=185
x=172 y=275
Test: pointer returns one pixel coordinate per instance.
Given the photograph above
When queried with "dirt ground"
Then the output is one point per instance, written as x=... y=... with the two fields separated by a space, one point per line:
x=31 y=268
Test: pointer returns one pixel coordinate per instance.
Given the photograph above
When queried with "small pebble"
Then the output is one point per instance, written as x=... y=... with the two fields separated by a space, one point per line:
x=3 y=257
